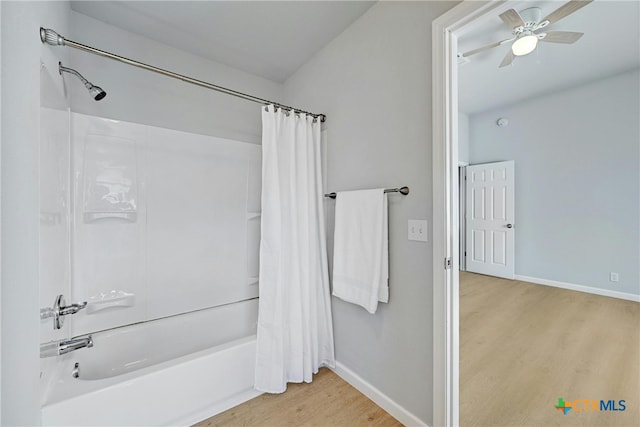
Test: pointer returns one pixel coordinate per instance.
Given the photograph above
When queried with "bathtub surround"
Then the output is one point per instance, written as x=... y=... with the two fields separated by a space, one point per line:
x=295 y=331
x=163 y=222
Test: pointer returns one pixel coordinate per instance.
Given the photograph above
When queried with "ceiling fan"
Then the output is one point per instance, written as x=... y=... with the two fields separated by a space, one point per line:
x=524 y=26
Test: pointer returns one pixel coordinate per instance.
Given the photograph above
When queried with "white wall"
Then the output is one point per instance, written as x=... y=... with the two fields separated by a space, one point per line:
x=140 y=96
x=21 y=101
x=463 y=137
x=374 y=83
x=577 y=160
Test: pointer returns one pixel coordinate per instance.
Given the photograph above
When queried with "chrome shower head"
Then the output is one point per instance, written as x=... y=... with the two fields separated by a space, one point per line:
x=96 y=91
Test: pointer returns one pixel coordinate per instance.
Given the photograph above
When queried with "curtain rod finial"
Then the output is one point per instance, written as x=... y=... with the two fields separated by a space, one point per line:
x=49 y=36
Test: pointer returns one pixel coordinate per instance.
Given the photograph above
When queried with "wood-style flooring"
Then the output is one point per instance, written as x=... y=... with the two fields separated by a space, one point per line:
x=523 y=346
x=327 y=401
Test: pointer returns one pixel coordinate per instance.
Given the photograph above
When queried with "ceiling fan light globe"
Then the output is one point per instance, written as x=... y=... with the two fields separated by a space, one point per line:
x=524 y=45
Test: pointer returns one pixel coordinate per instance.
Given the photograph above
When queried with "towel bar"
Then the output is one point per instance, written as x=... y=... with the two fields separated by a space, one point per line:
x=402 y=190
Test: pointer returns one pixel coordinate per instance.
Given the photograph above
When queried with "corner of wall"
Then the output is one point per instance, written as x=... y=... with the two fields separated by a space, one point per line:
x=21 y=101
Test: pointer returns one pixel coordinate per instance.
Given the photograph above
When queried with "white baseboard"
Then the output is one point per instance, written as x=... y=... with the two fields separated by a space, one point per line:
x=579 y=288
x=379 y=398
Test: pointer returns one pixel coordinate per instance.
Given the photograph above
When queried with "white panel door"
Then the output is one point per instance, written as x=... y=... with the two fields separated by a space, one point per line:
x=490 y=219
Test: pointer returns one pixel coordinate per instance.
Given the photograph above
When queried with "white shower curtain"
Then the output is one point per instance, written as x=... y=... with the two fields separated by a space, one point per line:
x=295 y=334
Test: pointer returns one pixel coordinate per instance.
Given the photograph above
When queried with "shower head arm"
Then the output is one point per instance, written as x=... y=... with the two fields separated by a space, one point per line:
x=96 y=91
x=64 y=69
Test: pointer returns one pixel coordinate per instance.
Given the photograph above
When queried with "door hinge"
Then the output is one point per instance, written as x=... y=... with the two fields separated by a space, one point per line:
x=447 y=263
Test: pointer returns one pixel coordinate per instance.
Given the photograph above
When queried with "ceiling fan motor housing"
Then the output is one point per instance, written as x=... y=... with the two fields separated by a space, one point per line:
x=531 y=18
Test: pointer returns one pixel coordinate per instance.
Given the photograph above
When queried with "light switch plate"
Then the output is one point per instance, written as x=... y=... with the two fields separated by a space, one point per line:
x=418 y=230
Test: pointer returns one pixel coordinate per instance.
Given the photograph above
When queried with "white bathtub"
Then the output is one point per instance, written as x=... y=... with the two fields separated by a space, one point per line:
x=173 y=371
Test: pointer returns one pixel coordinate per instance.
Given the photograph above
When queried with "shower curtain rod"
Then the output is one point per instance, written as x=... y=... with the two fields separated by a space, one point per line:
x=51 y=37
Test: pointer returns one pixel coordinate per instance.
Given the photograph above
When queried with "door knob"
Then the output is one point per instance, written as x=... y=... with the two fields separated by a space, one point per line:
x=509 y=225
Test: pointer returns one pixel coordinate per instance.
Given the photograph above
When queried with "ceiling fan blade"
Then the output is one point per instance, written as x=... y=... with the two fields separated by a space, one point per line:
x=487 y=47
x=566 y=37
x=512 y=19
x=508 y=59
x=566 y=10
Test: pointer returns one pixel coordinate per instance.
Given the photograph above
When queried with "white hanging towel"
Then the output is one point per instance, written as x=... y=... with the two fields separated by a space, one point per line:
x=361 y=248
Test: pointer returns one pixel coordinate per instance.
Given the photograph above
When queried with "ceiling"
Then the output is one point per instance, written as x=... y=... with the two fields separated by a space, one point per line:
x=610 y=45
x=272 y=39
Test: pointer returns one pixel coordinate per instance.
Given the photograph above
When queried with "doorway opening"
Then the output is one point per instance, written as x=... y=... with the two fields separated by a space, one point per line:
x=446 y=215
x=560 y=169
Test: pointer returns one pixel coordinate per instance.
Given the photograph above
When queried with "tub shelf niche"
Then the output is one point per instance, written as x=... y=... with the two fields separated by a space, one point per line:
x=110 y=179
x=110 y=299
x=97 y=216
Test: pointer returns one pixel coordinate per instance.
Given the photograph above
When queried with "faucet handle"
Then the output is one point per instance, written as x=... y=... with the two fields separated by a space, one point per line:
x=72 y=308
x=60 y=309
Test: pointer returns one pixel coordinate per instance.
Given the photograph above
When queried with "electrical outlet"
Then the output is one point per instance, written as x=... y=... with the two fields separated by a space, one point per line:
x=614 y=277
x=418 y=230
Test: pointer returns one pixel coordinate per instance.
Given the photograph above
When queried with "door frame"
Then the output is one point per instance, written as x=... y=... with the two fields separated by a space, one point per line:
x=462 y=211
x=445 y=32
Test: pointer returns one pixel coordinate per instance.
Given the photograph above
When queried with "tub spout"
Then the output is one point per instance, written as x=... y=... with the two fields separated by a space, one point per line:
x=75 y=344
x=58 y=348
